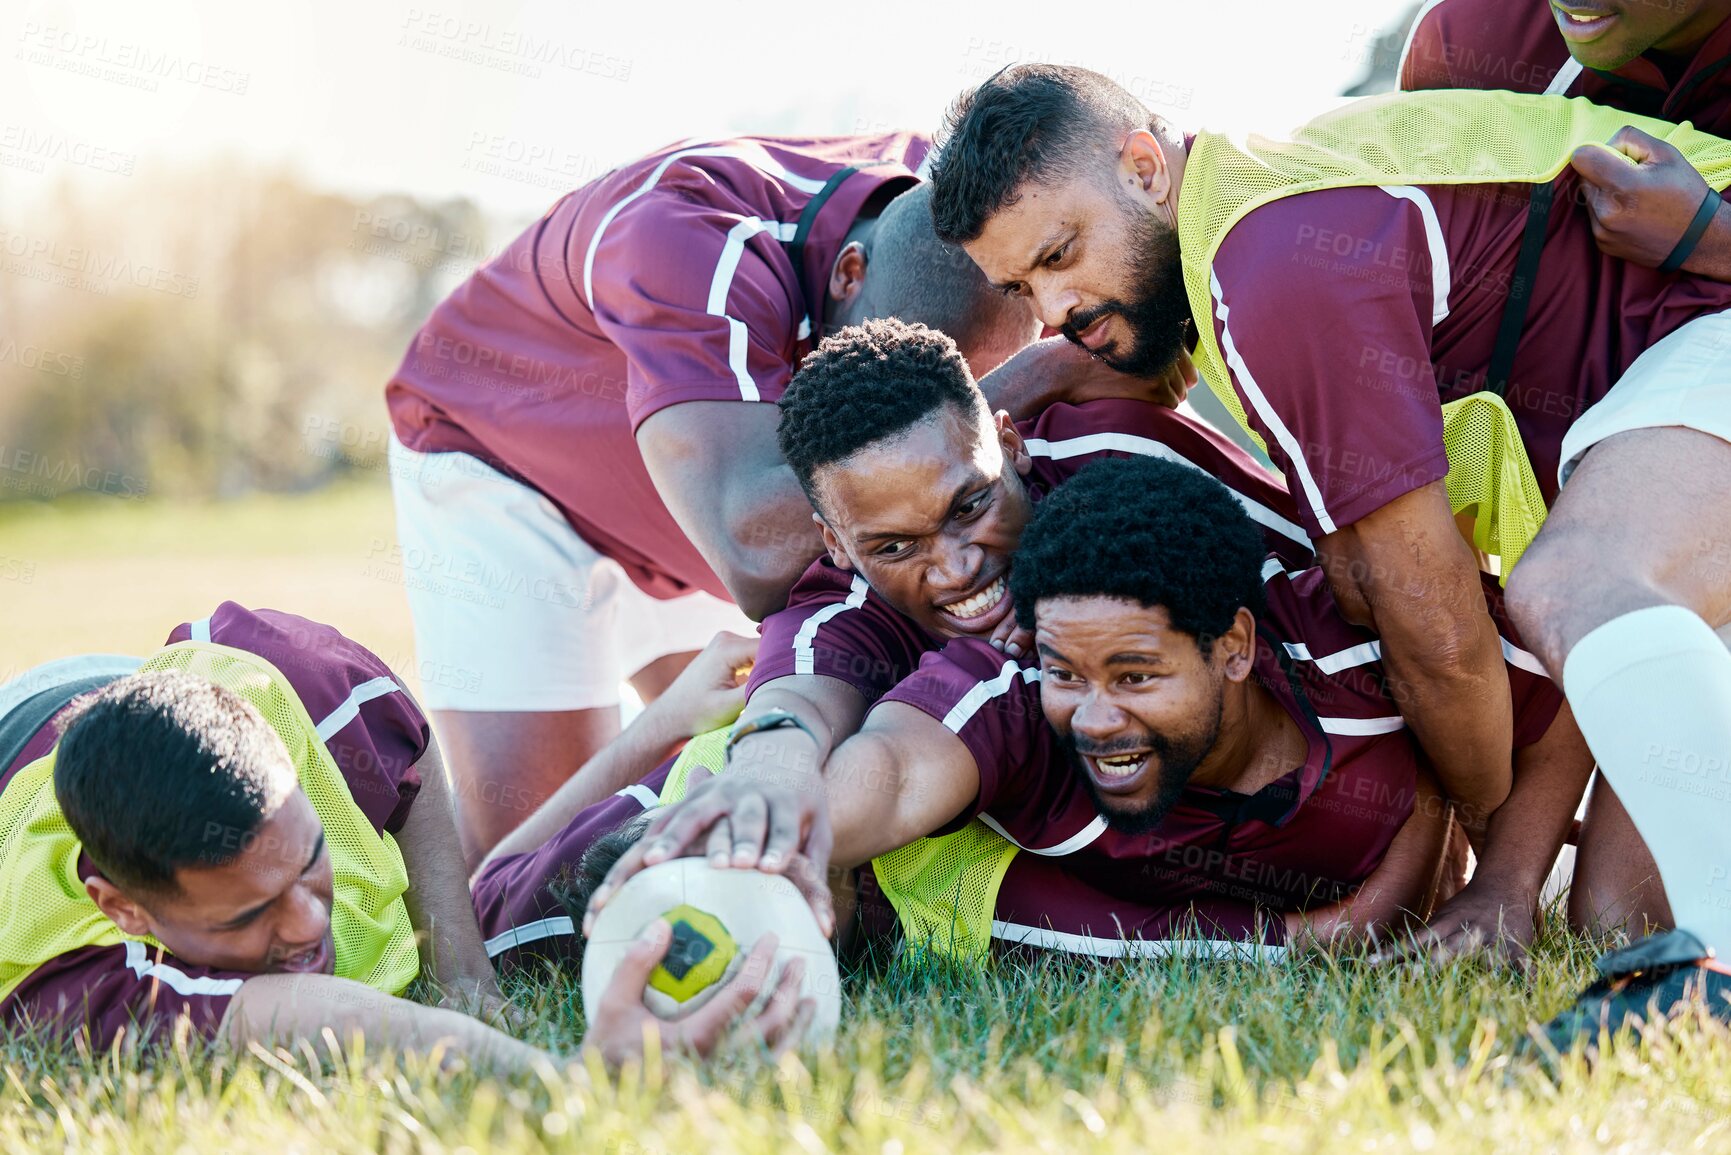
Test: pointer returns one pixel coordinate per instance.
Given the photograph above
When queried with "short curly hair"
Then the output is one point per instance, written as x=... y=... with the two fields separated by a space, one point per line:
x=865 y=384
x=1149 y=531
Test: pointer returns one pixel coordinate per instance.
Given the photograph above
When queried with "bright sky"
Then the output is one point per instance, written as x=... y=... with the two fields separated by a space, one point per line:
x=511 y=103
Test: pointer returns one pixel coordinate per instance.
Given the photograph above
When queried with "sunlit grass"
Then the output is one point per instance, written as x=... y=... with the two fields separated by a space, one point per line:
x=1052 y=1054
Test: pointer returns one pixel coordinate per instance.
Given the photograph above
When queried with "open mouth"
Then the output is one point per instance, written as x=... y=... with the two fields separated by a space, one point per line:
x=1093 y=338
x=1117 y=773
x=980 y=611
x=1583 y=24
x=313 y=960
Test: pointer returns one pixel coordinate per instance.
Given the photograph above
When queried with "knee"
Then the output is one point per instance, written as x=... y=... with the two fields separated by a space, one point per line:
x=1542 y=589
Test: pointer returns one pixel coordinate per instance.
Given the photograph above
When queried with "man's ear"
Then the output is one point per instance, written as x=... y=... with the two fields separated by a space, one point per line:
x=832 y=544
x=1236 y=648
x=123 y=912
x=1142 y=166
x=847 y=276
x=1014 y=447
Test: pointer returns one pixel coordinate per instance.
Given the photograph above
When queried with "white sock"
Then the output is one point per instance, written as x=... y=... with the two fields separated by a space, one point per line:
x=1652 y=693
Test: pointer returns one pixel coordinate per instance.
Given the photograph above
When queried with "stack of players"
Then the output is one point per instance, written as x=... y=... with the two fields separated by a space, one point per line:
x=990 y=641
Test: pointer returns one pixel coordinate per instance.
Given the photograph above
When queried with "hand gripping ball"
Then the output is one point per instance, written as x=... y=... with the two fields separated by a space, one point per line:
x=717 y=916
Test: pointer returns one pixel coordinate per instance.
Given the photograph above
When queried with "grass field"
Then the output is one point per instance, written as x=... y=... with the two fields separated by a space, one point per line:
x=1318 y=1054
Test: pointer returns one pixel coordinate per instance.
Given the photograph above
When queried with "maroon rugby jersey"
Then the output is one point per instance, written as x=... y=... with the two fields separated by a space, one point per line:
x=1348 y=316
x=835 y=626
x=667 y=280
x=1496 y=44
x=374 y=733
x=1305 y=839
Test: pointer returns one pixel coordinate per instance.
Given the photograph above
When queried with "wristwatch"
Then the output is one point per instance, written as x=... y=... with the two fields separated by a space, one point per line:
x=768 y=720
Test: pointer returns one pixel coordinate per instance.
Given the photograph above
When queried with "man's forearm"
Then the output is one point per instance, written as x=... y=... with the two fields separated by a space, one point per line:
x=440 y=909
x=1712 y=255
x=1455 y=699
x=1524 y=835
x=282 y=1010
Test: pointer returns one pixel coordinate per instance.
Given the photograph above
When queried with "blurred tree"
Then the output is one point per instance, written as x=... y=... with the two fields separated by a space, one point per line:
x=220 y=331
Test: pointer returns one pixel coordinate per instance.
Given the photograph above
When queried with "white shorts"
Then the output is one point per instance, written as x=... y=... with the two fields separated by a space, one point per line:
x=1684 y=380
x=512 y=609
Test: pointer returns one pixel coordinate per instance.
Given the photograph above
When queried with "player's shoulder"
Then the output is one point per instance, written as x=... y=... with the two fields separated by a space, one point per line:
x=1482 y=44
x=326 y=669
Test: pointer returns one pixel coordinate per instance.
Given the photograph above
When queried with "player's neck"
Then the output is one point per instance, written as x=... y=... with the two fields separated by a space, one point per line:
x=1259 y=742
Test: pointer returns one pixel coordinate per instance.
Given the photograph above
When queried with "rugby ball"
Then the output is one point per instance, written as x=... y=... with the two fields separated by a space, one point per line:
x=717 y=917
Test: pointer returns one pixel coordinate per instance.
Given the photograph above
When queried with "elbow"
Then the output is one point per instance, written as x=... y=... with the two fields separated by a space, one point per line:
x=759 y=577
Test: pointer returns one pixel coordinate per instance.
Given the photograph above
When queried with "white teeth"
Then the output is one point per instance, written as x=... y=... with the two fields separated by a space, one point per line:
x=978 y=604
x=1580 y=19
x=1120 y=766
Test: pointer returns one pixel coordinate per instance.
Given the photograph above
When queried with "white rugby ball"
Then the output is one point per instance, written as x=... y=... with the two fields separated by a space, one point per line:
x=718 y=916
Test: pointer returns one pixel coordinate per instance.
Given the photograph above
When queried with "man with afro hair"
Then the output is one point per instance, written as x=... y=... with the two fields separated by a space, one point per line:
x=1198 y=728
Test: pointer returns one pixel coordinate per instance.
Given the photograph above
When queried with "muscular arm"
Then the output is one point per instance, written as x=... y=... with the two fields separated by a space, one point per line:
x=440 y=910
x=1405 y=572
x=829 y=707
x=717 y=466
x=901 y=777
x=277 y=1010
x=1401 y=885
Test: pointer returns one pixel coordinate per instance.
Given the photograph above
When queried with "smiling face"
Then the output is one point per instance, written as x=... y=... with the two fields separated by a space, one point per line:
x=930 y=517
x=1138 y=705
x=1607 y=34
x=1098 y=263
x=266 y=911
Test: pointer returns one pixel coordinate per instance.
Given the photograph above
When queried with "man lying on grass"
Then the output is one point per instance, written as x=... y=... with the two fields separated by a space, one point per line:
x=1201 y=729
x=250 y=830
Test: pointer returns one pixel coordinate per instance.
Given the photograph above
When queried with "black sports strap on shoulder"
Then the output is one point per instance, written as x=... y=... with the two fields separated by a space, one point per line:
x=1520 y=288
x=807 y=218
x=25 y=720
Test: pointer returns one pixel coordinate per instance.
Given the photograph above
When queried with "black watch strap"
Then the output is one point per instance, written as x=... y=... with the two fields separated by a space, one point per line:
x=768 y=720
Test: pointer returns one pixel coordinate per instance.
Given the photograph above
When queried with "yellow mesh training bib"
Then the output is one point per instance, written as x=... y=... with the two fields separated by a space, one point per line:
x=49 y=914
x=1446 y=137
x=944 y=889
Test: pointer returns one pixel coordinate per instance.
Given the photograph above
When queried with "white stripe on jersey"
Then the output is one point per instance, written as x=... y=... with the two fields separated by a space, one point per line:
x=804 y=660
x=1362 y=727
x=1136 y=948
x=1148 y=447
x=750 y=153
x=1359 y=655
x=351 y=707
x=1070 y=845
x=1411 y=33
x=1565 y=76
x=738 y=338
x=1259 y=402
x=963 y=711
x=529 y=932
x=645 y=797
x=174 y=978
x=1439 y=253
